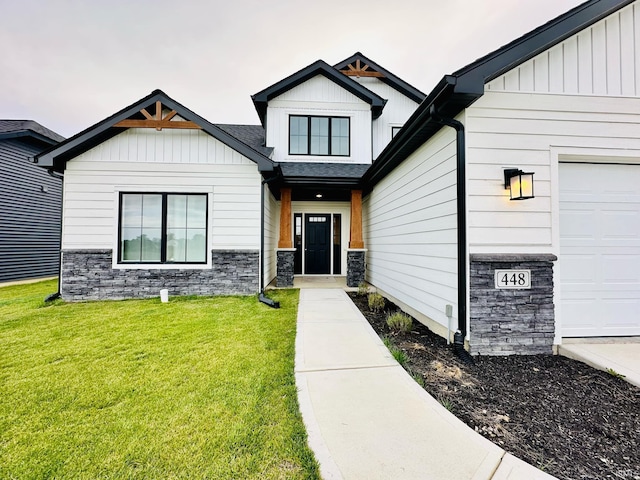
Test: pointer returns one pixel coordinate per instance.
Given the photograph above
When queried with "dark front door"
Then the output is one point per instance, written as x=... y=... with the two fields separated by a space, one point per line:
x=318 y=244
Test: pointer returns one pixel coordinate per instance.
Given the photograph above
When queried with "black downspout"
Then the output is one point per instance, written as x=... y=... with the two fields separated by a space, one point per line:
x=261 y=296
x=58 y=294
x=461 y=209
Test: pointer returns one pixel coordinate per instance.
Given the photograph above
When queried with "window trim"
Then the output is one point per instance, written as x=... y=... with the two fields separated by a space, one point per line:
x=163 y=241
x=329 y=136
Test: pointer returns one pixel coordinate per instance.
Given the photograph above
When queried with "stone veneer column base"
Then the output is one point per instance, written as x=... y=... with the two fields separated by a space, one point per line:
x=355 y=266
x=505 y=321
x=89 y=275
x=284 y=266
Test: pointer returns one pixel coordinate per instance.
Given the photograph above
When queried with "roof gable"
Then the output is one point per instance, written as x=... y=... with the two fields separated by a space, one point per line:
x=262 y=98
x=473 y=76
x=360 y=66
x=146 y=112
x=459 y=90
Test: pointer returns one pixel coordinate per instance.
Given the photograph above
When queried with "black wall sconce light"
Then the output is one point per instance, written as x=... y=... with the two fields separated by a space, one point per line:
x=519 y=183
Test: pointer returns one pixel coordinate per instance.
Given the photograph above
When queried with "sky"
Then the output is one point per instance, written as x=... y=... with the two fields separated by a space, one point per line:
x=68 y=64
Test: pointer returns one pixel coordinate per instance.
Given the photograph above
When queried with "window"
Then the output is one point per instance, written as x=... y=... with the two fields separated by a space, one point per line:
x=319 y=135
x=163 y=228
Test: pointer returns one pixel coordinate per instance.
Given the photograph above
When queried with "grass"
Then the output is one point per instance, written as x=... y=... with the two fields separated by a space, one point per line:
x=196 y=388
x=397 y=353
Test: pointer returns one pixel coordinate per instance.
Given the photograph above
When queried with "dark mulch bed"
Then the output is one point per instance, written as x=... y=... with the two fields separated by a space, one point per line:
x=562 y=416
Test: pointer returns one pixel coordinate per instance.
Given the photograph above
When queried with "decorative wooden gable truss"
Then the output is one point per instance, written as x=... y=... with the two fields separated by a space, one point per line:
x=163 y=118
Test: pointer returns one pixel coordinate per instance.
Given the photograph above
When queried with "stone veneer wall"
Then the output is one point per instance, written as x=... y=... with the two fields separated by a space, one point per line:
x=88 y=275
x=505 y=321
x=355 y=267
x=284 y=267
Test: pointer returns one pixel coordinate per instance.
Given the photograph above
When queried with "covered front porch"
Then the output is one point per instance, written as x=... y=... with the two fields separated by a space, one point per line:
x=319 y=230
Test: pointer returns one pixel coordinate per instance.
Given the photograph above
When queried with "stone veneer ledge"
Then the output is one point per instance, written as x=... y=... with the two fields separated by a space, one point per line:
x=88 y=275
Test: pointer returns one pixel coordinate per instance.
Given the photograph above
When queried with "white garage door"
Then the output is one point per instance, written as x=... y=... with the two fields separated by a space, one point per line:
x=599 y=249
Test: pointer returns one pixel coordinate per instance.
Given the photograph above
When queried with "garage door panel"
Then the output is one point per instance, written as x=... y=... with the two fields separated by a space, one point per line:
x=583 y=312
x=580 y=270
x=599 y=249
x=620 y=270
x=615 y=226
x=575 y=223
x=626 y=314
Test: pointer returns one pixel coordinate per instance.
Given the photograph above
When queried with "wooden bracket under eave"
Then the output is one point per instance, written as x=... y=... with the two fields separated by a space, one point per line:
x=158 y=121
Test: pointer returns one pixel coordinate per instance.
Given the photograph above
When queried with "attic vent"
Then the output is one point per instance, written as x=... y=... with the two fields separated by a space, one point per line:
x=161 y=119
x=360 y=71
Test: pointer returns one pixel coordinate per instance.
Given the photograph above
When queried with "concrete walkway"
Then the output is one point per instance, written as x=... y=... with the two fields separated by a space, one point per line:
x=619 y=354
x=367 y=418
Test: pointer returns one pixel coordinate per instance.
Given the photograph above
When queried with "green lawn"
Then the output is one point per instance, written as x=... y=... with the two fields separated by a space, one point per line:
x=196 y=388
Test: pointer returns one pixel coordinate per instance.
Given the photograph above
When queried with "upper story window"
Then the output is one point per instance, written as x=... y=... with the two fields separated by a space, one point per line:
x=162 y=228
x=318 y=135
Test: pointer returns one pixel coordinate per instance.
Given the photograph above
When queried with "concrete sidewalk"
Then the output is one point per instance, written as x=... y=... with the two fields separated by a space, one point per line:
x=619 y=354
x=368 y=419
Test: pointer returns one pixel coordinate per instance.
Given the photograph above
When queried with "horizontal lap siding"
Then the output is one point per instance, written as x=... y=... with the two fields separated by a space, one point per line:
x=410 y=229
x=93 y=179
x=30 y=218
x=271 y=218
x=520 y=130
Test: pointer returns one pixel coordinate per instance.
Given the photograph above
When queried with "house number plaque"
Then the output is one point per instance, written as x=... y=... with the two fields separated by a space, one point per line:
x=513 y=279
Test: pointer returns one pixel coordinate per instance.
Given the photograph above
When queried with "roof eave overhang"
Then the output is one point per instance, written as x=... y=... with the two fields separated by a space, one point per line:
x=419 y=128
x=31 y=135
x=55 y=158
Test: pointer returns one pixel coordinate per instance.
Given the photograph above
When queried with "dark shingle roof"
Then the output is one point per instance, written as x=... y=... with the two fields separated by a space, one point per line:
x=250 y=135
x=325 y=170
x=26 y=128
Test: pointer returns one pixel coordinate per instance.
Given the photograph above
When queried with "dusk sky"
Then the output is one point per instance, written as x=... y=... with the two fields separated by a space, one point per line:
x=68 y=64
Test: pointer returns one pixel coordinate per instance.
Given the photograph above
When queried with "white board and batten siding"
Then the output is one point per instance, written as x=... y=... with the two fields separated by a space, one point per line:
x=600 y=60
x=145 y=160
x=410 y=231
x=396 y=111
x=322 y=97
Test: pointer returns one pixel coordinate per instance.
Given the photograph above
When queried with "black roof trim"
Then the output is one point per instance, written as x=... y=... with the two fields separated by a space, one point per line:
x=28 y=128
x=389 y=78
x=57 y=156
x=473 y=76
x=458 y=91
x=319 y=67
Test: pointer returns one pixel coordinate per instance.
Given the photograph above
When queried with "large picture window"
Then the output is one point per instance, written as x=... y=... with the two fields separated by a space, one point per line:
x=163 y=228
x=318 y=135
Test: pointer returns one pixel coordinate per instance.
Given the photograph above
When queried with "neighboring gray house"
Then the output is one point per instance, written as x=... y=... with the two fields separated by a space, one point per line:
x=30 y=203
